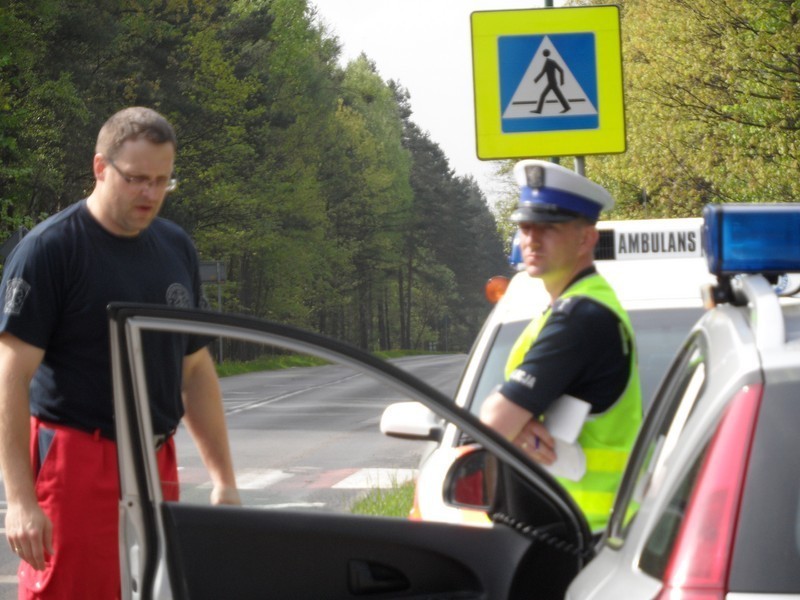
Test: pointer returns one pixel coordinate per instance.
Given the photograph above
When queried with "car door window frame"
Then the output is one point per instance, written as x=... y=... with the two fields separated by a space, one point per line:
x=672 y=407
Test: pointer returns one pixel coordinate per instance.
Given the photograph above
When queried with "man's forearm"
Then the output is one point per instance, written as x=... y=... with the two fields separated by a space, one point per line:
x=205 y=418
x=15 y=443
x=18 y=362
x=502 y=415
x=28 y=530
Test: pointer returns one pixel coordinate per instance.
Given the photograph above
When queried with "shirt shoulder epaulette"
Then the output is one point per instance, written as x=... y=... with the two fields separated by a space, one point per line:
x=565 y=306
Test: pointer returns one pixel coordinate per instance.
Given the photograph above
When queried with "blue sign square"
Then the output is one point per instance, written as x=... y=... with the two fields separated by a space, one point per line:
x=548 y=82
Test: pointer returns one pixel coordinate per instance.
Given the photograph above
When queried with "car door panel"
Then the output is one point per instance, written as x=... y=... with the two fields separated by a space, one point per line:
x=242 y=553
x=195 y=551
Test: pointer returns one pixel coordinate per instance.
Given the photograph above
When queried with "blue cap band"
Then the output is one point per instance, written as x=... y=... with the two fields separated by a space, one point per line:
x=565 y=200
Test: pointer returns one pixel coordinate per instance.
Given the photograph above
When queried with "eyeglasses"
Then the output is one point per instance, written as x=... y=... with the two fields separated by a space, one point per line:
x=141 y=182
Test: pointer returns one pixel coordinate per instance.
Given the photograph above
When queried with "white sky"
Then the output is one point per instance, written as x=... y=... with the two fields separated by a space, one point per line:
x=425 y=45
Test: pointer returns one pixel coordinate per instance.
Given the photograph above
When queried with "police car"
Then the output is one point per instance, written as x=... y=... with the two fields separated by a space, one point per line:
x=657 y=270
x=710 y=503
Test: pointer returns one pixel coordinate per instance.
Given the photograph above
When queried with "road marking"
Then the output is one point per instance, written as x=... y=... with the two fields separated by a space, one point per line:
x=306 y=477
x=8 y=579
x=256 y=479
x=258 y=403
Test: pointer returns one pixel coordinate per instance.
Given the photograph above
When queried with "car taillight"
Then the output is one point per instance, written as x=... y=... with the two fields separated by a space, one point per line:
x=698 y=565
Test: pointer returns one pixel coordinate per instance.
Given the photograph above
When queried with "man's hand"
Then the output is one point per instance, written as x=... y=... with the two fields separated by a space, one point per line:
x=29 y=533
x=536 y=442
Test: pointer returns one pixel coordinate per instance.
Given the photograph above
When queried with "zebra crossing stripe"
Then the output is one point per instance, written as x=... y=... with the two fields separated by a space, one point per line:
x=369 y=478
x=259 y=480
x=255 y=479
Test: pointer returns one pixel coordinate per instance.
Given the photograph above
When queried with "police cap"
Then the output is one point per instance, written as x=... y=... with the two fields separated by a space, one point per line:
x=550 y=193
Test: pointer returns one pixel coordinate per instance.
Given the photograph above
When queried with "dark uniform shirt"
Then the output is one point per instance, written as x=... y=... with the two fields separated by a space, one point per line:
x=56 y=286
x=582 y=351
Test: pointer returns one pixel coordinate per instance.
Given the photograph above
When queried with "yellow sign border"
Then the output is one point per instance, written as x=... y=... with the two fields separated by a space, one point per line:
x=603 y=21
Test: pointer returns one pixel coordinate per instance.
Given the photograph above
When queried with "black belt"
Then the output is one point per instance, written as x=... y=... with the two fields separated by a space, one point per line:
x=158 y=440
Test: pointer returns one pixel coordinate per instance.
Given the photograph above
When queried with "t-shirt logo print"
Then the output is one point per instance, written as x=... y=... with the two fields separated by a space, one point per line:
x=16 y=291
x=178 y=296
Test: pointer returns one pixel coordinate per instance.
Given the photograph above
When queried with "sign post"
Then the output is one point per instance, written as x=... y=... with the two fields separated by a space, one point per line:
x=214 y=271
x=548 y=82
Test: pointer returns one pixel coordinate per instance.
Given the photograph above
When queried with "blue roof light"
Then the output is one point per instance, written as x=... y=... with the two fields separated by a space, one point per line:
x=515 y=257
x=752 y=238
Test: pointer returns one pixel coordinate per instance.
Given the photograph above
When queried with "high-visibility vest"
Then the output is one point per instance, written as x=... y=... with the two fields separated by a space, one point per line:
x=607 y=437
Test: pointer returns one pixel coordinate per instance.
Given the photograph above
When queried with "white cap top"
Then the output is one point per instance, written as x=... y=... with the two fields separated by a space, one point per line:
x=552 y=193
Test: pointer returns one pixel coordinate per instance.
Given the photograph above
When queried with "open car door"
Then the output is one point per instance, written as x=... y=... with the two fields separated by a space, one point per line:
x=312 y=546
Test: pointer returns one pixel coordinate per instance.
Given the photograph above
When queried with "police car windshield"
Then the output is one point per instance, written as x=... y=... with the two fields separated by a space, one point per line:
x=659 y=335
x=493 y=369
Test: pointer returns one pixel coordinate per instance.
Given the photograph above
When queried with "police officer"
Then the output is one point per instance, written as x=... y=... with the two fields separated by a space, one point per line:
x=582 y=346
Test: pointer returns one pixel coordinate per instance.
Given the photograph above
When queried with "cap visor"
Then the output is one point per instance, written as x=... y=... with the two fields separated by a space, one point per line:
x=528 y=215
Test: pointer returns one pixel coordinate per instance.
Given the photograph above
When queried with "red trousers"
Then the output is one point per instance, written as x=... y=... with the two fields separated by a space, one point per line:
x=78 y=489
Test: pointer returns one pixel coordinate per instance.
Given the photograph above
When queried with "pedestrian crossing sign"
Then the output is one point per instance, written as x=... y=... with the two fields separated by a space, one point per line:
x=548 y=82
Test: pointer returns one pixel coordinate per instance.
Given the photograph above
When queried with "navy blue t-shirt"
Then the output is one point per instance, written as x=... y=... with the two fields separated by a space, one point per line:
x=583 y=350
x=56 y=286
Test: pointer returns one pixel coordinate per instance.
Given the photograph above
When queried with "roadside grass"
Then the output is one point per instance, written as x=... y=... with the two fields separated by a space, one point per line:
x=287 y=361
x=391 y=502
x=267 y=363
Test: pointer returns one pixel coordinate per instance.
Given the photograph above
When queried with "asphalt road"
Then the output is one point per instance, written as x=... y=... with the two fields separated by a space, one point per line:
x=305 y=438
x=309 y=438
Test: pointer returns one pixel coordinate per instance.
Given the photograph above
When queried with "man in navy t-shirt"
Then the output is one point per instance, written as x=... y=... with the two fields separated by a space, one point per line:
x=57 y=450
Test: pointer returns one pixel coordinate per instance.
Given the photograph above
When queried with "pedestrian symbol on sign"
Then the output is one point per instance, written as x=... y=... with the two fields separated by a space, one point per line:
x=553 y=85
x=547 y=90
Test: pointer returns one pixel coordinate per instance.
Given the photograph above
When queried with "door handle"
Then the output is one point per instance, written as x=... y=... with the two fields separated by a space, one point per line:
x=366 y=577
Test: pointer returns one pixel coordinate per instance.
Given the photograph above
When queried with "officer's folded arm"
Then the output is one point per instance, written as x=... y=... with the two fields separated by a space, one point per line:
x=519 y=426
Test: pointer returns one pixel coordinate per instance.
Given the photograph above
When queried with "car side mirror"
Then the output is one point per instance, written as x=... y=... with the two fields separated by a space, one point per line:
x=411 y=421
x=472 y=481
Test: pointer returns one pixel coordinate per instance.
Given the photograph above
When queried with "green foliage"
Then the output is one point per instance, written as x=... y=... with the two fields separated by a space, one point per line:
x=712 y=91
x=298 y=174
x=451 y=248
x=367 y=192
x=277 y=361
